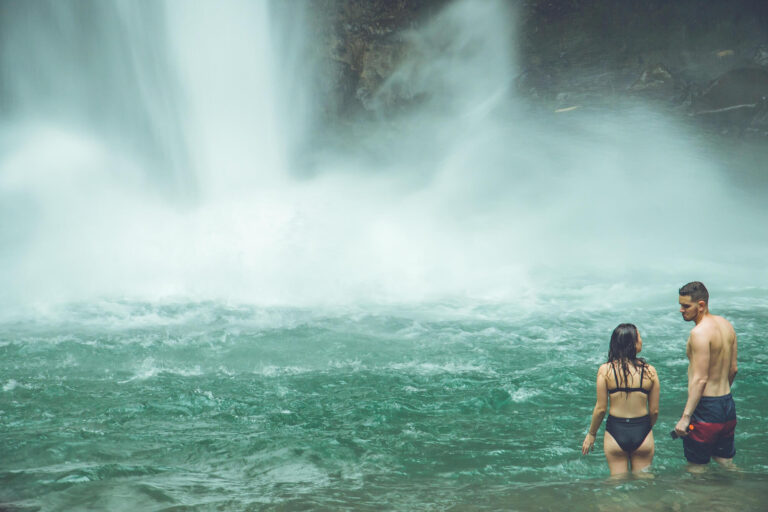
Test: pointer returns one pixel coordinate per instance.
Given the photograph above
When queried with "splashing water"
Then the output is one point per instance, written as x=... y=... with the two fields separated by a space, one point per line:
x=212 y=300
x=158 y=163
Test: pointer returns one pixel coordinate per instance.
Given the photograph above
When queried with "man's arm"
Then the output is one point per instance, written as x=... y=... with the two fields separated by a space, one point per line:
x=734 y=366
x=697 y=381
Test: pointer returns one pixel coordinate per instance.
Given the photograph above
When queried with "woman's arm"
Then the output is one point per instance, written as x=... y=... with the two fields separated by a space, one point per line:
x=653 y=396
x=598 y=413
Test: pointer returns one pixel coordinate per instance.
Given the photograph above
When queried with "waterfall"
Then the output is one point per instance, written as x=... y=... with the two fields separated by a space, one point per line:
x=153 y=149
x=131 y=130
x=226 y=63
x=93 y=70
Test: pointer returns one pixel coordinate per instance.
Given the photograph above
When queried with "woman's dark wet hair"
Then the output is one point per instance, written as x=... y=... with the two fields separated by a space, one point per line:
x=623 y=351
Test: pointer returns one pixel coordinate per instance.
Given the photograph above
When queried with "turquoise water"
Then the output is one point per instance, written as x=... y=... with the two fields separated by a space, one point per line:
x=454 y=406
x=183 y=149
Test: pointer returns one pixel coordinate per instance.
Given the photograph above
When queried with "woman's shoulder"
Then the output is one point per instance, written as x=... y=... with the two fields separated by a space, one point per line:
x=603 y=370
x=651 y=371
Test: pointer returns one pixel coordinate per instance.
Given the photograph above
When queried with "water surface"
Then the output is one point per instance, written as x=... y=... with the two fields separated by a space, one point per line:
x=453 y=406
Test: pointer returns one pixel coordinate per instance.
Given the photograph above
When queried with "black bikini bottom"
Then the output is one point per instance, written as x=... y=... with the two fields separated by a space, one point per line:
x=628 y=432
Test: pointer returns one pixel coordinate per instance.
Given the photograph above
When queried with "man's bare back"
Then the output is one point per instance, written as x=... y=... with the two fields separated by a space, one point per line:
x=722 y=344
x=709 y=417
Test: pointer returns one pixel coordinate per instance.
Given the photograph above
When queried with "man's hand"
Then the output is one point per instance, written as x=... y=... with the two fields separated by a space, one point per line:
x=681 y=429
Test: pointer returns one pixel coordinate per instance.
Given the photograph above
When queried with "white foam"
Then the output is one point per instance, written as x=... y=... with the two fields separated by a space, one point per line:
x=524 y=394
x=434 y=368
x=150 y=368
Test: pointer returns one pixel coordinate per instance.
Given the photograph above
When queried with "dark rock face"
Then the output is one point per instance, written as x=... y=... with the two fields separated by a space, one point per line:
x=737 y=99
x=696 y=40
x=741 y=88
x=587 y=50
x=670 y=53
x=363 y=42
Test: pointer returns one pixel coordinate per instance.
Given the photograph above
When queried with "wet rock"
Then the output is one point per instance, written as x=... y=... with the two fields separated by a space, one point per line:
x=735 y=100
x=365 y=45
x=760 y=56
x=570 y=52
x=759 y=122
x=656 y=77
x=743 y=88
x=379 y=61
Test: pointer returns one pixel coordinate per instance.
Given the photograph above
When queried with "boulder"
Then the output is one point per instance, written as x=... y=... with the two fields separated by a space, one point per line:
x=735 y=100
x=742 y=88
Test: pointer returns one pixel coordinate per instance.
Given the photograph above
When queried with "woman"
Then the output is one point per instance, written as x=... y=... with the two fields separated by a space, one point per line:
x=632 y=387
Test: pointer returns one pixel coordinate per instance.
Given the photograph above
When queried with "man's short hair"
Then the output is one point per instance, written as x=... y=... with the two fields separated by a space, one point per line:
x=696 y=290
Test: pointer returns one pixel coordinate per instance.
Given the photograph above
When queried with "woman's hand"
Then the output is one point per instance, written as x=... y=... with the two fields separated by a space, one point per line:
x=588 y=444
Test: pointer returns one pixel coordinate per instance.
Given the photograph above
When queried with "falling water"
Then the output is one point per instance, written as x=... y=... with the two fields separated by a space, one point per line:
x=151 y=150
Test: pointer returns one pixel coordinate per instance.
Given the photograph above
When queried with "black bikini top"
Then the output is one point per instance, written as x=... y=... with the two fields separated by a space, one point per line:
x=628 y=390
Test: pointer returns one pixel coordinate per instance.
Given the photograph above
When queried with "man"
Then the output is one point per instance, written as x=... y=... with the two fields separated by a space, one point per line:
x=710 y=409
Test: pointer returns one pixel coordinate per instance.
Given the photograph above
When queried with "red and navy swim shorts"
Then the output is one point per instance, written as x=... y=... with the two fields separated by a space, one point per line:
x=714 y=424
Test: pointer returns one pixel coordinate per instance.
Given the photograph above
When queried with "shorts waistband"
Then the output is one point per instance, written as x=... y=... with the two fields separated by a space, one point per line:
x=715 y=398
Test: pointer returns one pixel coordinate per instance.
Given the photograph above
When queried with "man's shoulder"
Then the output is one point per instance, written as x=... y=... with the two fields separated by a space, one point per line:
x=713 y=327
x=721 y=325
x=703 y=327
x=709 y=323
x=723 y=321
x=703 y=332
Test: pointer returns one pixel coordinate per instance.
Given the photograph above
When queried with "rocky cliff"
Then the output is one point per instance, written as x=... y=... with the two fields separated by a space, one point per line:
x=685 y=54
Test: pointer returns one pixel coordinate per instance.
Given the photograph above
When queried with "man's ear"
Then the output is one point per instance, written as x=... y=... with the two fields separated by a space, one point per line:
x=701 y=304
